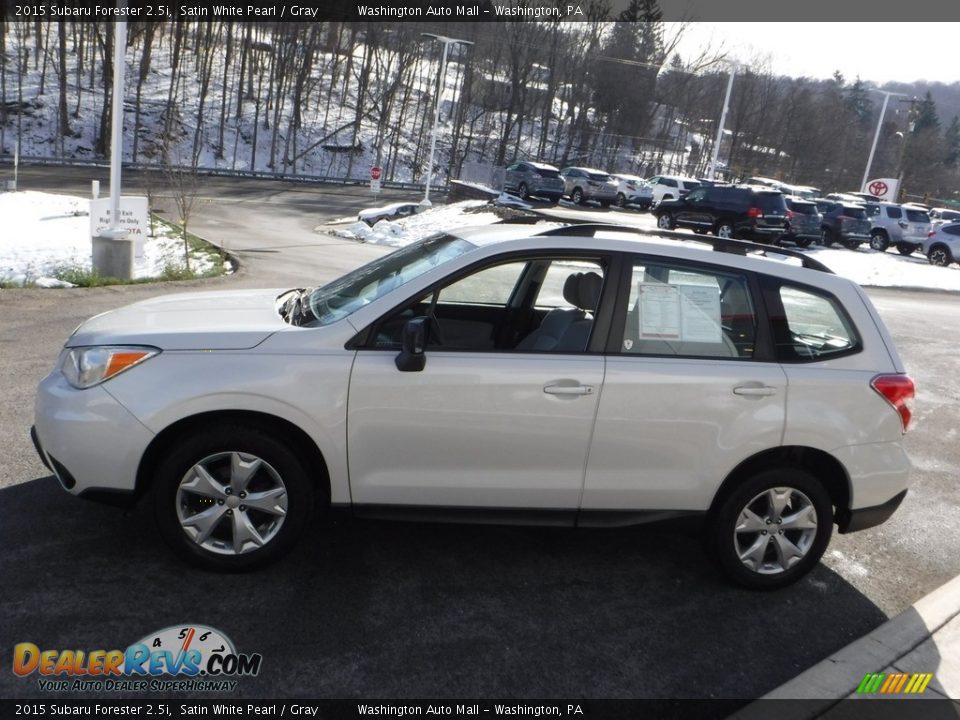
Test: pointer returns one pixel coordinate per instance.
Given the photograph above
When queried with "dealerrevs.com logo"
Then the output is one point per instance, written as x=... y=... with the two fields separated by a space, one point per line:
x=182 y=657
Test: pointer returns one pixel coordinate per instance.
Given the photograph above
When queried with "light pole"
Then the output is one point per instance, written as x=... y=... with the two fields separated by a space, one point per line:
x=447 y=41
x=723 y=118
x=876 y=136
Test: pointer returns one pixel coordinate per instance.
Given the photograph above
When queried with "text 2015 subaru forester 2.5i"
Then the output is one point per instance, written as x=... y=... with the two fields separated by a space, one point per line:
x=573 y=376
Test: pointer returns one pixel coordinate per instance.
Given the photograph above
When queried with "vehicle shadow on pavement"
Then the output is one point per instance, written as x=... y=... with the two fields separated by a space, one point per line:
x=395 y=610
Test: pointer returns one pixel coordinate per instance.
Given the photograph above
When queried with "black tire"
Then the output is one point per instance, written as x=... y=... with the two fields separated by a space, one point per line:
x=279 y=480
x=604 y=203
x=726 y=544
x=665 y=221
x=879 y=241
x=524 y=191
x=940 y=256
x=577 y=196
x=906 y=248
x=850 y=244
x=826 y=237
x=621 y=200
x=803 y=242
x=554 y=199
x=700 y=231
x=725 y=229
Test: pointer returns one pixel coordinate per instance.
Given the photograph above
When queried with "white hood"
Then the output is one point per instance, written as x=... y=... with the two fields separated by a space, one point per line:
x=228 y=320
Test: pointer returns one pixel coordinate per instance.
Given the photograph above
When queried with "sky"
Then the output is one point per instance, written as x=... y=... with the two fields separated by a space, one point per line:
x=881 y=52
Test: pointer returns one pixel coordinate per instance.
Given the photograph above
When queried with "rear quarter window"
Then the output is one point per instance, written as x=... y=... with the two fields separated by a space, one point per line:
x=918 y=216
x=809 y=325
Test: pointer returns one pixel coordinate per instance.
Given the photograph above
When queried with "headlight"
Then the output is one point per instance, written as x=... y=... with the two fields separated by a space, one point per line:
x=84 y=367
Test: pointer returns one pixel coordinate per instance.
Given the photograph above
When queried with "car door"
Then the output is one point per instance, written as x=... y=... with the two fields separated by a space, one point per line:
x=691 y=389
x=483 y=425
x=693 y=211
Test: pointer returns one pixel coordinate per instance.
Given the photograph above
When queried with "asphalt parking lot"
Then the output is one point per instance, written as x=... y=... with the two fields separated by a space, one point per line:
x=367 y=608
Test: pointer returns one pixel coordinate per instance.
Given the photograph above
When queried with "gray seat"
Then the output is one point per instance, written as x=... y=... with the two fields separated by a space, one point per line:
x=565 y=329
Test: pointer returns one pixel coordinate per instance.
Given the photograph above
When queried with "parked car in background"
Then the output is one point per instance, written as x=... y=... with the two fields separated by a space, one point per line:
x=533 y=179
x=575 y=377
x=739 y=211
x=633 y=190
x=843 y=222
x=902 y=226
x=671 y=187
x=804 y=222
x=395 y=211
x=941 y=216
x=581 y=184
x=942 y=245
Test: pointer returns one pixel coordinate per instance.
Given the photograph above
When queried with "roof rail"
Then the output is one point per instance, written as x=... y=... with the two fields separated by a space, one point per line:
x=727 y=245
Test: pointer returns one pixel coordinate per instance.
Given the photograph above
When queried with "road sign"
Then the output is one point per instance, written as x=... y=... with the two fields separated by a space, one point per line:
x=375 y=173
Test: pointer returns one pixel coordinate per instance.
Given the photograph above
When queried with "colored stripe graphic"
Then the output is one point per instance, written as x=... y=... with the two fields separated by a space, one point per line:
x=894 y=683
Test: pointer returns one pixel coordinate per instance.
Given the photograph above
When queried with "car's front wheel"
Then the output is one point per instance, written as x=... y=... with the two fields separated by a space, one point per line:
x=231 y=498
x=772 y=529
x=665 y=221
x=524 y=191
x=577 y=196
x=621 y=200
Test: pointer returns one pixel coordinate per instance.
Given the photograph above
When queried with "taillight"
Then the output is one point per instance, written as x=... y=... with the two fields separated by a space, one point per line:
x=754 y=212
x=897 y=390
x=791 y=214
x=931 y=233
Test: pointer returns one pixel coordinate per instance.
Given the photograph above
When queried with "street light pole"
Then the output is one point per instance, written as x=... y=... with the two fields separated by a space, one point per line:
x=723 y=118
x=447 y=41
x=876 y=136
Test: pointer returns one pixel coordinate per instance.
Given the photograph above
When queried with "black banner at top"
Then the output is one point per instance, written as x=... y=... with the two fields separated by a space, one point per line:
x=859 y=13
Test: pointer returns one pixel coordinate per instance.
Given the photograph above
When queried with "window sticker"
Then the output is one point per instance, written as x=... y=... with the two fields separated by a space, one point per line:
x=688 y=313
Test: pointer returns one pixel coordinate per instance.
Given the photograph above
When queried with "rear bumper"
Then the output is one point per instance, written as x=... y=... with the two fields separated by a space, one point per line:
x=853 y=520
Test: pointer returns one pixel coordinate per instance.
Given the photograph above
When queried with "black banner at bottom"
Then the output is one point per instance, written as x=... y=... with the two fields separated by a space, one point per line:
x=928 y=708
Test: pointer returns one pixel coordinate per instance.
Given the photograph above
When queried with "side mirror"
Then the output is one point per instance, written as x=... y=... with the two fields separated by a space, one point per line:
x=413 y=343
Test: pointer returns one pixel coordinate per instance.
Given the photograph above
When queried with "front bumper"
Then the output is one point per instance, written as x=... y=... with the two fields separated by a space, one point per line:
x=91 y=442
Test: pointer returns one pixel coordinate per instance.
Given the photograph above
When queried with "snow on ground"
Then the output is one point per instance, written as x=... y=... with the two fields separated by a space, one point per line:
x=44 y=234
x=439 y=218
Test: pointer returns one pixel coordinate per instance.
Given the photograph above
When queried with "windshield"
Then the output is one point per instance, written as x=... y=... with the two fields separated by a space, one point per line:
x=349 y=293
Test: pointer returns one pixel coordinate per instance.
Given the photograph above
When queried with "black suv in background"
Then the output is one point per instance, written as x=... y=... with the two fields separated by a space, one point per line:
x=843 y=222
x=803 y=221
x=727 y=211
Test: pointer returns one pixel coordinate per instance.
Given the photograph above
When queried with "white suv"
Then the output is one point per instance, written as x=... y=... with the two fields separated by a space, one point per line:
x=574 y=376
x=671 y=187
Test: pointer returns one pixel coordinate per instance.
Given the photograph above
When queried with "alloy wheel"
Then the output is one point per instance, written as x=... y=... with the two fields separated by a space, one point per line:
x=775 y=530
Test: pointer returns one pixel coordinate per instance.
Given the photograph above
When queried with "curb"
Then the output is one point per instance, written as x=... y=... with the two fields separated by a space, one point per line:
x=830 y=681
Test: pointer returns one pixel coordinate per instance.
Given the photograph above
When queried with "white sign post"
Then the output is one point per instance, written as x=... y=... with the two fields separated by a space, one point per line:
x=375 y=173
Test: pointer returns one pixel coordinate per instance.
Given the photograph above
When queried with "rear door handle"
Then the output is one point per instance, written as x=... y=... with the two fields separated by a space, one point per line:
x=756 y=390
x=568 y=389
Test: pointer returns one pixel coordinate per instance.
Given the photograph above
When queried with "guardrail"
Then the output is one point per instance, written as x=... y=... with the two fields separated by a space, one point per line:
x=224 y=172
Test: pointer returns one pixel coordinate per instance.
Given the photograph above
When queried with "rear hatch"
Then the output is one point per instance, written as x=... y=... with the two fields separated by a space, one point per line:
x=602 y=185
x=854 y=221
x=770 y=211
x=548 y=179
x=803 y=217
x=918 y=225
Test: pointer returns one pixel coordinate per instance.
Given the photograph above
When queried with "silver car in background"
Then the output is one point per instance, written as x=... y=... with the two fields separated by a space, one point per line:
x=904 y=226
x=581 y=184
x=633 y=190
x=533 y=179
x=942 y=245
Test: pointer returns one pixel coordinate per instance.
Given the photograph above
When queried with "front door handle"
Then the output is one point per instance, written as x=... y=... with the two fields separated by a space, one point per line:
x=568 y=389
x=754 y=390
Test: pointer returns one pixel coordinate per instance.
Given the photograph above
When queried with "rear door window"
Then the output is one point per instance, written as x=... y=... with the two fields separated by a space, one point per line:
x=894 y=213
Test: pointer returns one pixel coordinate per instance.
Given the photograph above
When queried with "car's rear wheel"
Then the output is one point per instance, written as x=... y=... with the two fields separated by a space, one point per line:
x=665 y=222
x=231 y=498
x=803 y=242
x=577 y=196
x=826 y=237
x=772 y=529
x=621 y=200
x=724 y=229
x=879 y=241
x=851 y=244
x=940 y=255
x=906 y=248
